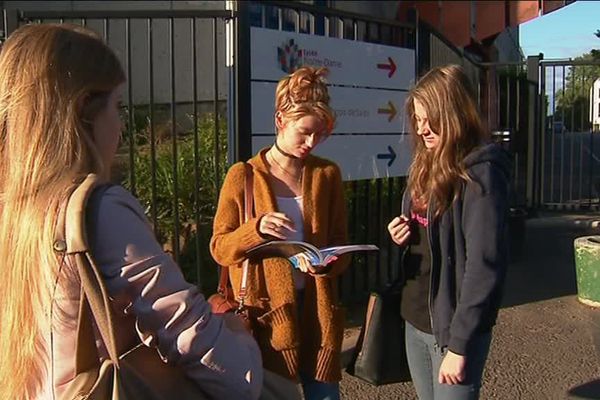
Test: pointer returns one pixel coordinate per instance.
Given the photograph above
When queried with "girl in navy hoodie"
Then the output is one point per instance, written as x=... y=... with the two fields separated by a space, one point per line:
x=452 y=232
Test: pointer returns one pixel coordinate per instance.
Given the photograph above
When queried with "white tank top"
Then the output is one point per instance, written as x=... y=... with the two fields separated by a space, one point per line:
x=292 y=207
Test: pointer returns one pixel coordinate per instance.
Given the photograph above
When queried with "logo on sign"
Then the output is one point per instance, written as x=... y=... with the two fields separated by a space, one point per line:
x=289 y=56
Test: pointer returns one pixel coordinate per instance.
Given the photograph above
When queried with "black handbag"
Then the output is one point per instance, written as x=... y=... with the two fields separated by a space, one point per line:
x=380 y=354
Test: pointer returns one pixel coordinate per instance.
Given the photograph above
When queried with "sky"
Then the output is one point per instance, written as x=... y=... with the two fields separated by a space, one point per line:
x=565 y=33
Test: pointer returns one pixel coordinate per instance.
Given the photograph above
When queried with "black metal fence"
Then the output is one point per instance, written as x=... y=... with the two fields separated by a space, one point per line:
x=173 y=153
x=569 y=140
x=176 y=148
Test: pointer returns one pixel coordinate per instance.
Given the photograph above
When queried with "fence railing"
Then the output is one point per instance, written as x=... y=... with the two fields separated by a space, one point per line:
x=174 y=148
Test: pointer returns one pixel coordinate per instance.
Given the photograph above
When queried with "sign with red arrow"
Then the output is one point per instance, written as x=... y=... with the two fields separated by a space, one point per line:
x=391 y=66
x=350 y=62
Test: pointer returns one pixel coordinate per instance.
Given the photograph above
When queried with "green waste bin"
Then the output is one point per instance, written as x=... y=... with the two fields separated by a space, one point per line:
x=587 y=268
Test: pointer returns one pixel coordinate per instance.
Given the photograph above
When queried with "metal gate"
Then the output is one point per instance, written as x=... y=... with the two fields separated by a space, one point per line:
x=173 y=152
x=176 y=148
x=569 y=135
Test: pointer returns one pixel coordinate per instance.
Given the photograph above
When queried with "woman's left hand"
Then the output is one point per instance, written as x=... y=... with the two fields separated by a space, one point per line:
x=305 y=266
x=452 y=370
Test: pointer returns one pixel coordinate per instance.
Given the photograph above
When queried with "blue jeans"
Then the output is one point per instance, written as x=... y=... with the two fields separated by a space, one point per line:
x=425 y=359
x=315 y=390
x=312 y=389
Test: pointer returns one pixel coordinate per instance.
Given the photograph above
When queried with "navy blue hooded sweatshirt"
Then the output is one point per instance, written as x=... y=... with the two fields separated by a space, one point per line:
x=469 y=252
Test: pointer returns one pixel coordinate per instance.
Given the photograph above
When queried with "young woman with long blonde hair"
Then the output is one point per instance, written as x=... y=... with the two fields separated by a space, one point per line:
x=297 y=196
x=452 y=231
x=60 y=89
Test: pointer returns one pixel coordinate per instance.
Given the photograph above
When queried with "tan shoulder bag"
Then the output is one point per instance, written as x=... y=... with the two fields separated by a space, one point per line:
x=139 y=373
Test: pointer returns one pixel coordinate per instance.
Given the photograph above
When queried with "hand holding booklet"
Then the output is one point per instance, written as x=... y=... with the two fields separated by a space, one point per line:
x=292 y=250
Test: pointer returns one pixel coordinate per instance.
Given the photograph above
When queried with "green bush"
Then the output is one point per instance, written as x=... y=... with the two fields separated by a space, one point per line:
x=181 y=195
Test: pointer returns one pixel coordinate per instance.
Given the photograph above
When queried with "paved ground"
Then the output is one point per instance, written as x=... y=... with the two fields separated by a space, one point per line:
x=542 y=347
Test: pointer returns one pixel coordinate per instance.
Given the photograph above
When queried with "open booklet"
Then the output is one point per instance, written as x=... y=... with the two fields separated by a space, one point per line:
x=294 y=249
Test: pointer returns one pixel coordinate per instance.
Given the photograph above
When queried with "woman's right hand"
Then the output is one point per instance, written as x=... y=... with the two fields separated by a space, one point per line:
x=399 y=229
x=275 y=224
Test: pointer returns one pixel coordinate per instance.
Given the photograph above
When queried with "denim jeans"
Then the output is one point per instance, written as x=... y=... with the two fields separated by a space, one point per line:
x=312 y=389
x=425 y=359
x=316 y=390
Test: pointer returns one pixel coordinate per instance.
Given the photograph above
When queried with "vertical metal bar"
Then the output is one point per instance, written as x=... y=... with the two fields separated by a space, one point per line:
x=580 y=136
x=216 y=106
x=572 y=137
x=542 y=115
x=508 y=98
x=326 y=27
x=311 y=24
x=390 y=203
x=552 y=155
x=196 y=152
x=518 y=100
x=497 y=102
x=521 y=190
x=356 y=223
x=154 y=205
x=84 y=22
x=280 y=18
x=297 y=21
x=130 y=107
x=591 y=158
x=367 y=210
x=174 y=144
x=562 y=140
x=263 y=15
x=105 y=29
x=354 y=29
x=378 y=226
x=243 y=98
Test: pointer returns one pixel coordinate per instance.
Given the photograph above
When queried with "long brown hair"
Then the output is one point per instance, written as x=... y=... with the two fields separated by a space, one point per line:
x=55 y=79
x=449 y=100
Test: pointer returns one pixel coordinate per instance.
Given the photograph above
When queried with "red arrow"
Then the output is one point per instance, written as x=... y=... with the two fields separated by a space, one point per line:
x=391 y=111
x=391 y=66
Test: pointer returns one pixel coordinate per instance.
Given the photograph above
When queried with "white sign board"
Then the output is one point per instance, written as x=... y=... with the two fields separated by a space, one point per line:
x=350 y=62
x=358 y=110
x=368 y=95
x=359 y=156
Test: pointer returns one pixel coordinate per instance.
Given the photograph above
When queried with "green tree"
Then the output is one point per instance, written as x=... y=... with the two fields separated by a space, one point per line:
x=572 y=102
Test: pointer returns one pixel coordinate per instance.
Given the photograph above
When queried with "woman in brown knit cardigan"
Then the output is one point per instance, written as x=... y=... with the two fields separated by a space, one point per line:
x=297 y=196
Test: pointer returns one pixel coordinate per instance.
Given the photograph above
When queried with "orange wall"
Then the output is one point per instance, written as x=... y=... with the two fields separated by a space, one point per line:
x=453 y=18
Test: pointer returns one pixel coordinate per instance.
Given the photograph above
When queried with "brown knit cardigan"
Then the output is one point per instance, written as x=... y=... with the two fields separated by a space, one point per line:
x=287 y=346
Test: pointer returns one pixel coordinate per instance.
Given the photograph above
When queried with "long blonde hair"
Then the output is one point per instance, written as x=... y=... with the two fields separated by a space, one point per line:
x=55 y=79
x=450 y=103
x=304 y=92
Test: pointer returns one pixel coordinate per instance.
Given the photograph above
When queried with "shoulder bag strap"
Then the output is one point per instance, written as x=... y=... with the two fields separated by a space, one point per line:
x=72 y=231
x=248 y=212
x=248 y=207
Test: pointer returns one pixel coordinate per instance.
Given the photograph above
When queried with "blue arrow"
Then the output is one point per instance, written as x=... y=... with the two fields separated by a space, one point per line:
x=391 y=156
